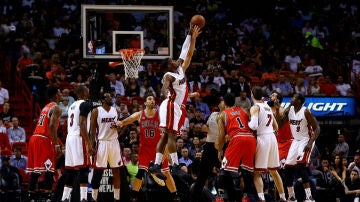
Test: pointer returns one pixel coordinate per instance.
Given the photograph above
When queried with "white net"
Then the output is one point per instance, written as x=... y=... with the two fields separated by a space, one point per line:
x=131 y=59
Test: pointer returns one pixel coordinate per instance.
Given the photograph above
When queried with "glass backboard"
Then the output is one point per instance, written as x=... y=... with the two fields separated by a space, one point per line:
x=108 y=28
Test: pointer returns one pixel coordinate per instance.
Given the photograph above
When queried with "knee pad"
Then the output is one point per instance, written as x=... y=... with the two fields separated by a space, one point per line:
x=140 y=174
x=83 y=175
x=95 y=181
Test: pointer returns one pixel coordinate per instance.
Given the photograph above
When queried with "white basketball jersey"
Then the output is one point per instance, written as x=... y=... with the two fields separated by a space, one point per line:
x=73 y=123
x=213 y=131
x=298 y=124
x=178 y=90
x=106 y=121
x=265 y=119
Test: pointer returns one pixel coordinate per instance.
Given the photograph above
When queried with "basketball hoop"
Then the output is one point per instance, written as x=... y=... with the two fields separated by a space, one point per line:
x=131 y=58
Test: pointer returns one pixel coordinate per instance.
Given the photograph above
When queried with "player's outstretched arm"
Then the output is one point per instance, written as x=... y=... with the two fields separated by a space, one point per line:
x=195 y=33
x=131 y=119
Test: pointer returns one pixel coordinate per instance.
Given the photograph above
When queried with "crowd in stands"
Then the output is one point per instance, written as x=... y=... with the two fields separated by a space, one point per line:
x=306 y=47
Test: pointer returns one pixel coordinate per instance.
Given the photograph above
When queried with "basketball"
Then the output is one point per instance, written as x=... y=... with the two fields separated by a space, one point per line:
x=198 y=20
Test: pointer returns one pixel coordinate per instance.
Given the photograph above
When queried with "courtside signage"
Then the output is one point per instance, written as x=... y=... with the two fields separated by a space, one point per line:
x=328 y=106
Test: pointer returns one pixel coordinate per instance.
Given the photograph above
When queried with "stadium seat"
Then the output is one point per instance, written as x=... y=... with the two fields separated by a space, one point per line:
x=5 y=142
x=23 y=145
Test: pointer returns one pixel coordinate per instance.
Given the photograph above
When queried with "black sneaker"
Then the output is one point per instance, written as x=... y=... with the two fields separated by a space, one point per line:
x=176 y=170
x=157 y=175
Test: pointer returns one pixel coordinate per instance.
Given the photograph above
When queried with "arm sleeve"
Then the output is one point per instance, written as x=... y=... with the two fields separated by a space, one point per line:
x=185 y=47
x=254 y=123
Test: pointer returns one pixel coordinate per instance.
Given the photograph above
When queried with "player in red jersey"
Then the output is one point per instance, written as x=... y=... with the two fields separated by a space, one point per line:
x=43 y=144
x=284 y=136
x=149 y=136
x=240 y=152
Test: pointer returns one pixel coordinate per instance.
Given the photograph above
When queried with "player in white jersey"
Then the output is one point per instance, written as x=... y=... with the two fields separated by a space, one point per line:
x=305 y=130
x=267 y=153
x=171 y=114
x=103 y=121
x=78 y=147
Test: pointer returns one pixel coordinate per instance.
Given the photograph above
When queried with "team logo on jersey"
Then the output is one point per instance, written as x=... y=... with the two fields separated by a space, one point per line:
x=48 y=164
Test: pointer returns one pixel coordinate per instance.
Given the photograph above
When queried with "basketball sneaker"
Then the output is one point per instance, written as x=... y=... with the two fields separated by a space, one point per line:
x=292 y=199
x=157 y=175
x=310 y=199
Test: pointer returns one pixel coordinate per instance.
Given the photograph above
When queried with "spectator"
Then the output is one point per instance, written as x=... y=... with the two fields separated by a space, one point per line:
x=6 y=114
x=66 y=93
x=204 y=78
x=323 y=174
x=228 y=87
x=127 y=155
x=243 y=85
x=202 y=106
x=2 y=127
x=16 y=133
x=327 y=87
x=198 y=119
x=313 y=70
x=18 y=160
x=352 y=186
x=185 y=158
x=356 y=163
x=195 y=147
x=338 y=171
x=300 y=87
x=218 y=78
x=179 y=145
x=132 y=167
x=268 y=87
x=4 y=94
x=284 y=86
x=184 y=134
x=313 y=88
x=146 y=88
x=342 y=146
x=344 y=89
x=64 y=109
x=117 y=85
x=132 y=87
x=10 y=178
x=293 y=61
x=243 y=101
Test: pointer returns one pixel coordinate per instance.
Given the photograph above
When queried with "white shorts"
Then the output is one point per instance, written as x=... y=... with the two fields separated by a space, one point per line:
x=170 y=115
x=74 y=151
x=296 y=152
x=108 y=152
x=267 y=153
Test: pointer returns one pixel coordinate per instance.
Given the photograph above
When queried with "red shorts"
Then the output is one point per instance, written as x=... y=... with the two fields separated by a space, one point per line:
x=41 y=154
x=284 y=147
x=147 y=154
x=240 y=153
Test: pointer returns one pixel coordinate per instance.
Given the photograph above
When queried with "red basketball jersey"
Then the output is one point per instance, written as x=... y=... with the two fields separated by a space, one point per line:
x=149 y=129
x=237 y=121
x=284 y=133
x=42 y=126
